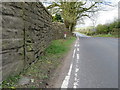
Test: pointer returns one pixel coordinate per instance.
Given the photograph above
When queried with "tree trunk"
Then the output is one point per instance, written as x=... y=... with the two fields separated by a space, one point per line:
x=70 y=28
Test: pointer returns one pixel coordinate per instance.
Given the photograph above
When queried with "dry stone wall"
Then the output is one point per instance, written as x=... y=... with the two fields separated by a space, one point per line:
x=59 y=29
x=27 y=29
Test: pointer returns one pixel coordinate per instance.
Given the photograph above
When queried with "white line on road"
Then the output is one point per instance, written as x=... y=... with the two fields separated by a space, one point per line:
x=75 y=45
x=70 y=70
x=76 y=70
x=78 y=45
x=77 y=49
x=74 y=53
x=66 y=80
x=76 y=81
x=77 y=56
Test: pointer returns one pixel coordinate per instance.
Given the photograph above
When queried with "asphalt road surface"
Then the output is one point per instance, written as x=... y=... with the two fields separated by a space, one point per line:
x=94 y=63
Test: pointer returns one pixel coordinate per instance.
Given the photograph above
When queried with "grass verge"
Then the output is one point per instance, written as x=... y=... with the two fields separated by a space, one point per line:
x=40 y=71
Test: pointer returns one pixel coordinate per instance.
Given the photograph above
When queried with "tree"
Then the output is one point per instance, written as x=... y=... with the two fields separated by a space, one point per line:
x=102 y=29
x=72 y=11
x=57 y=18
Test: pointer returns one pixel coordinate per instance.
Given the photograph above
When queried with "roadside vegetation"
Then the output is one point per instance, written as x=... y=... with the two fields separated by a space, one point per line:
x=40 y=72
x=57 y=18
x=106 y=30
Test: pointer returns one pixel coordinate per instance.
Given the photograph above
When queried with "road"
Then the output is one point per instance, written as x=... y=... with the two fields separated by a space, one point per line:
x=94 y=63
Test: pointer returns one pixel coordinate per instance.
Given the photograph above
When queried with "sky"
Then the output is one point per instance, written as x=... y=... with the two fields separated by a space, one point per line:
x=103 y=17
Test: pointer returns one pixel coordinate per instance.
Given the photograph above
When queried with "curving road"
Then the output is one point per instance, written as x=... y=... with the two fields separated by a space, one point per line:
x=94 y=63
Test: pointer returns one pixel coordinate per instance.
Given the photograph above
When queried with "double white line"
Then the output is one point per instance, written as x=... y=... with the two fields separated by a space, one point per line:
x=67 y=78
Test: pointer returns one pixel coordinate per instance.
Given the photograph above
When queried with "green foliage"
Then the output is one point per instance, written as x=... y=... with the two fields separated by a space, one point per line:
x=88 y=32
x=115 y=31
x=112 y=28
x=11 y=81
x=57 y=18
x=56 y=47
x=115 y=24
x=106 y=30
x=102 y=29
x=118 y=25
x=59 y=46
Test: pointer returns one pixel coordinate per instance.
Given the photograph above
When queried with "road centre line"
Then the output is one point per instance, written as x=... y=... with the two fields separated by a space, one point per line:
x=77 y=49
x=77 y=56
x=76 y=70
x=74 y=53
x=76 y=81
x=76 y=43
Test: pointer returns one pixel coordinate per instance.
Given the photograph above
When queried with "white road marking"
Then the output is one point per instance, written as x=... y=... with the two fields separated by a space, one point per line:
x=70 y=69
x=77 y=56
x=78 y=45
x=66 y=80
x=74 y=53
x=75 y=84
x=75 y=45
x=76 y=79
x=76 y=70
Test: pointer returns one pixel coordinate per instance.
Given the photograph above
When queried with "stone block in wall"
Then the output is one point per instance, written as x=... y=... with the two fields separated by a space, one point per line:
x=59 y=29
x=8 y=44
x=15 y=5
x=12 y=33
x=12 y=11
x=30 y=57
x=12 y=22
x=11 y=56
x=12 y=69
